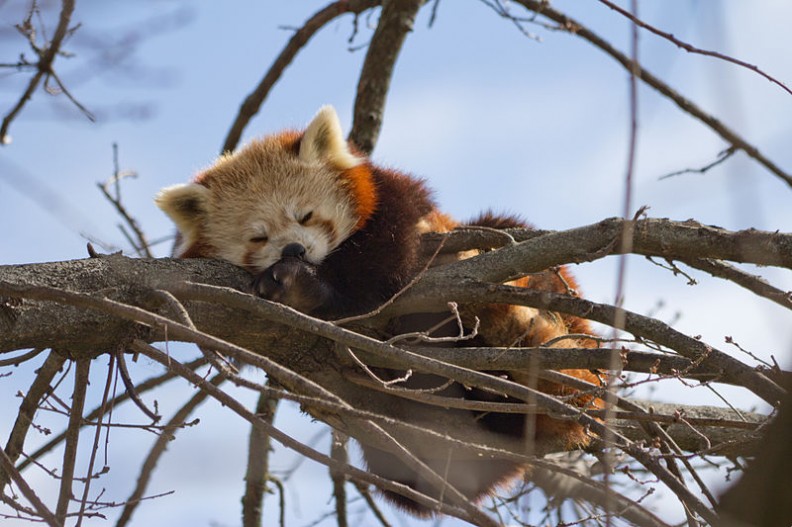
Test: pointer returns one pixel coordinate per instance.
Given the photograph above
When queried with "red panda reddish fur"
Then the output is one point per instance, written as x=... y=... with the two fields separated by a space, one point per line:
x=325 y=230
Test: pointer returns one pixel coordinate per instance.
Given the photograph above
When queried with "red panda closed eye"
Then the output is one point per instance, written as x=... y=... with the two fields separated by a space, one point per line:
x=324 y=230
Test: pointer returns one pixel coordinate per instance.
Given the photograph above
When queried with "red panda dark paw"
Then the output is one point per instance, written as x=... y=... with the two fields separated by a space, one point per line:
x=293 y=282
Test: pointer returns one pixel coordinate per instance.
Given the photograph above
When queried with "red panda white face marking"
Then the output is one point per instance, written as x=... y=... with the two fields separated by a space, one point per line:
x=251 y=204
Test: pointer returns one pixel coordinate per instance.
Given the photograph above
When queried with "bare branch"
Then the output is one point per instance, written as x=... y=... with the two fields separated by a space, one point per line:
x=158 y=449
x=257 y=472
x=39 y=389
x=65 y=494
x=112 y=403
x=8 y=467
x=287 y=441
x=690 y=48
x=396 y=20
x=142 y=247
x=755 y=284
x=95 y=448
x=253 y=102
x=44 y=69
x=566 y=23
x=654 y=330
x=722 y=156
x=338 y=451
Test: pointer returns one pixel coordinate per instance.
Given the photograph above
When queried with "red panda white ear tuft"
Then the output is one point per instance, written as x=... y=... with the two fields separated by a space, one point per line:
x=187 y=206
x=324 y=141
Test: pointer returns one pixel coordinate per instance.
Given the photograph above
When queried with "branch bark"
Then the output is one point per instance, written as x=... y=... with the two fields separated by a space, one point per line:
x=396 y=20
x=99 y=292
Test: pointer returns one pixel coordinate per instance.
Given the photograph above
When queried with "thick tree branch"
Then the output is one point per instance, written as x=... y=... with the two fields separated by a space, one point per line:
x=396 y=20
x=466 y=291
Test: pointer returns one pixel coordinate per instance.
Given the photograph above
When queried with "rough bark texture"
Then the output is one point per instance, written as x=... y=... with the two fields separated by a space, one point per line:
x=396 y=20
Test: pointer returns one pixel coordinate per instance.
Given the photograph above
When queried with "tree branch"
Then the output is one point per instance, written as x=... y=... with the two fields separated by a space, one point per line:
x=692 y=49
x=43 y=67
x=543 y=8
x=396 y=20
x=253 y=102
x=39 y=389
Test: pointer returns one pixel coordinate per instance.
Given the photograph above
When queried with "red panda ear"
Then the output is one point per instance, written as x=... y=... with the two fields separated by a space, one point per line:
x=324 y=142
x=187 y=206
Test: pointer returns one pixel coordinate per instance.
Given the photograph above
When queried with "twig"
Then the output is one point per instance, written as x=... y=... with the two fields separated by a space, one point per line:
x=141 y=388
x=47 y=56
x=16 y=361
x=722 y=156
x=692 y=49
x=634 y=323
x=626 y=241
x=142 y=247
x=253 y=102
x=308 y=452
x=372 y=505
x=130 y=387
x=755 y=284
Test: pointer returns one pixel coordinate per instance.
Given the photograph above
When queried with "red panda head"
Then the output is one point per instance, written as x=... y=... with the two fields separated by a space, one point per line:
x=309 y=189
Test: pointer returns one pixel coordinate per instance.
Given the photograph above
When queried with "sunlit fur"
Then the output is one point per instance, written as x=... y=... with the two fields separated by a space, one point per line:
x=249 y=205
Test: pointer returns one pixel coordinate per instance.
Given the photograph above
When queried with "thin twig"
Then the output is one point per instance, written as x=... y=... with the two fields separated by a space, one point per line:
x=308 y=452
x=722 y=156
x=372 y=505
x=38 y=390
x=47 y=56
x=142 y=247
x=753 y=283
x=131 y=390
x=692 y=49
x=16 y=361
x=543 y=8
x=141 y=388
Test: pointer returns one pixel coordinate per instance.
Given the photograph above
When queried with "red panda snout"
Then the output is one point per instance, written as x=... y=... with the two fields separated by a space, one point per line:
x=293 y=250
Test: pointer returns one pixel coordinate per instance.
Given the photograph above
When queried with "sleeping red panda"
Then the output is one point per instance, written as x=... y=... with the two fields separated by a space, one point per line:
x=324 y=230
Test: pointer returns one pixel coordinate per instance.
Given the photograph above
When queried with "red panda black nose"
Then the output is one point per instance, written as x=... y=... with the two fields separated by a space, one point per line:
x=294 y=250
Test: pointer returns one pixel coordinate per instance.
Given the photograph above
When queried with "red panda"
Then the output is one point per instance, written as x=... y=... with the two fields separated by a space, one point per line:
x=324 y=230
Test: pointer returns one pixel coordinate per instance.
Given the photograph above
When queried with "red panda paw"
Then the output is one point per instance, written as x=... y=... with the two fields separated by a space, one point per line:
x=292 y=281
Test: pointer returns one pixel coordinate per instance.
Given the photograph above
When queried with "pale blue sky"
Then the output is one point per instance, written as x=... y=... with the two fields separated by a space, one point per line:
x=489 y=117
